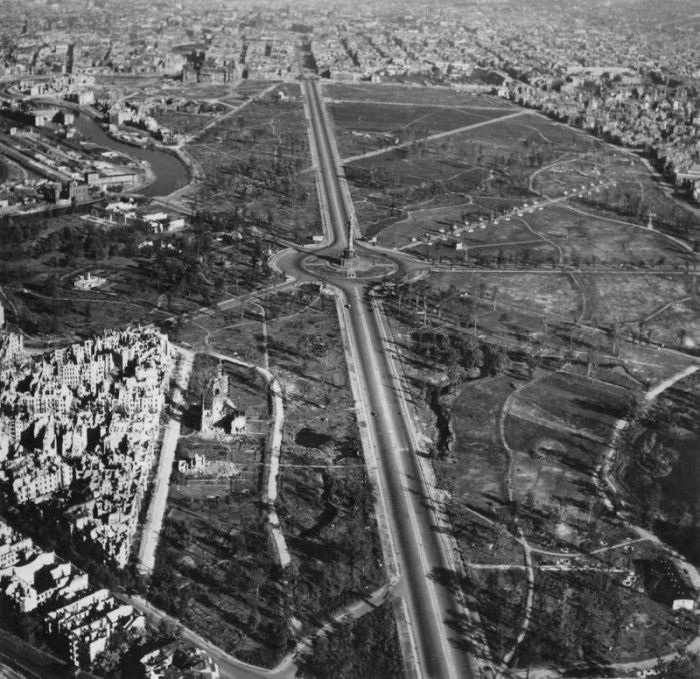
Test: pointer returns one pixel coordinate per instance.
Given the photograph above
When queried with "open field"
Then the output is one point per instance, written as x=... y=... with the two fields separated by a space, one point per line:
x=494 y=160
x=364 y=126
x=550 y=295
x=477 y=476
x=633 y=299
x=592 y=238
x=252 y=162
x=427 y=186
x=402 y=94
x=657 y=307
x=557 y=427
x=439 y=220
x=629 y=191
x=556 y=234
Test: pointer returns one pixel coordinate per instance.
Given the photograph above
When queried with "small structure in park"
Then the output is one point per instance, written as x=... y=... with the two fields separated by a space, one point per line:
x=89 y=282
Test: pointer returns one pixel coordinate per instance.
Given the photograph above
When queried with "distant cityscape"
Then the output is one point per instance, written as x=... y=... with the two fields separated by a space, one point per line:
x=637 y=90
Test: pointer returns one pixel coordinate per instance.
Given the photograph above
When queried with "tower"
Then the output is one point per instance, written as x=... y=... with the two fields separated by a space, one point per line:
x=349 y=251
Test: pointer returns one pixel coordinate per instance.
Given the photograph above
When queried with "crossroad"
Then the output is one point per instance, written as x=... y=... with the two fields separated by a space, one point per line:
x=427 y=577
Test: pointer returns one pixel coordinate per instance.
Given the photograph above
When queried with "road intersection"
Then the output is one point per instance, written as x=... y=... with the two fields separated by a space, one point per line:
x=427 y=576
x=437 y=633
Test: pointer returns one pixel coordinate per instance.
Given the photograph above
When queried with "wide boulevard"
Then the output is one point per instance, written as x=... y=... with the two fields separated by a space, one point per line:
x=435 y=645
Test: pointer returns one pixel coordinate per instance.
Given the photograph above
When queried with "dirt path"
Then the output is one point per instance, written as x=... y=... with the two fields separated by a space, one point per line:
x=530 y=571
x=544 y=238
x=432 y=137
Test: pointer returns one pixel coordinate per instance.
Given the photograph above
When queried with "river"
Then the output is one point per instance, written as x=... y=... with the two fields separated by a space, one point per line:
x=171 y=173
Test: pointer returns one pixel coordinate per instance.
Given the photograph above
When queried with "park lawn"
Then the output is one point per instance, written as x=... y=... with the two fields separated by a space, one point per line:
x=365 y=126
x=557 y=427
x=598 y=172
x=629 y=186
x=406 y=167
x=548 y=295
x=588 y=236
x=679 y=316
x=589 y=406
x=630 y=299
x=476 y=474
x=385 y=93
x=496 y=159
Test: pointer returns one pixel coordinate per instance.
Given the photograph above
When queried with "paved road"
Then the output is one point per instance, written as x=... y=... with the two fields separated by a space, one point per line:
x=229 y=667
x=433 y=608
x=158 y=503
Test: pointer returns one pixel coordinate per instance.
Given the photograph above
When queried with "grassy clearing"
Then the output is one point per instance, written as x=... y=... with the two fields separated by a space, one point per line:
x=593 y=239
x=678 y=317
x=546 y=295
x=495 y=161
x=631 y=299
x=477 y=477
x=363 y=127
x=557 y=427
x=630 y=190
x=402 y=94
